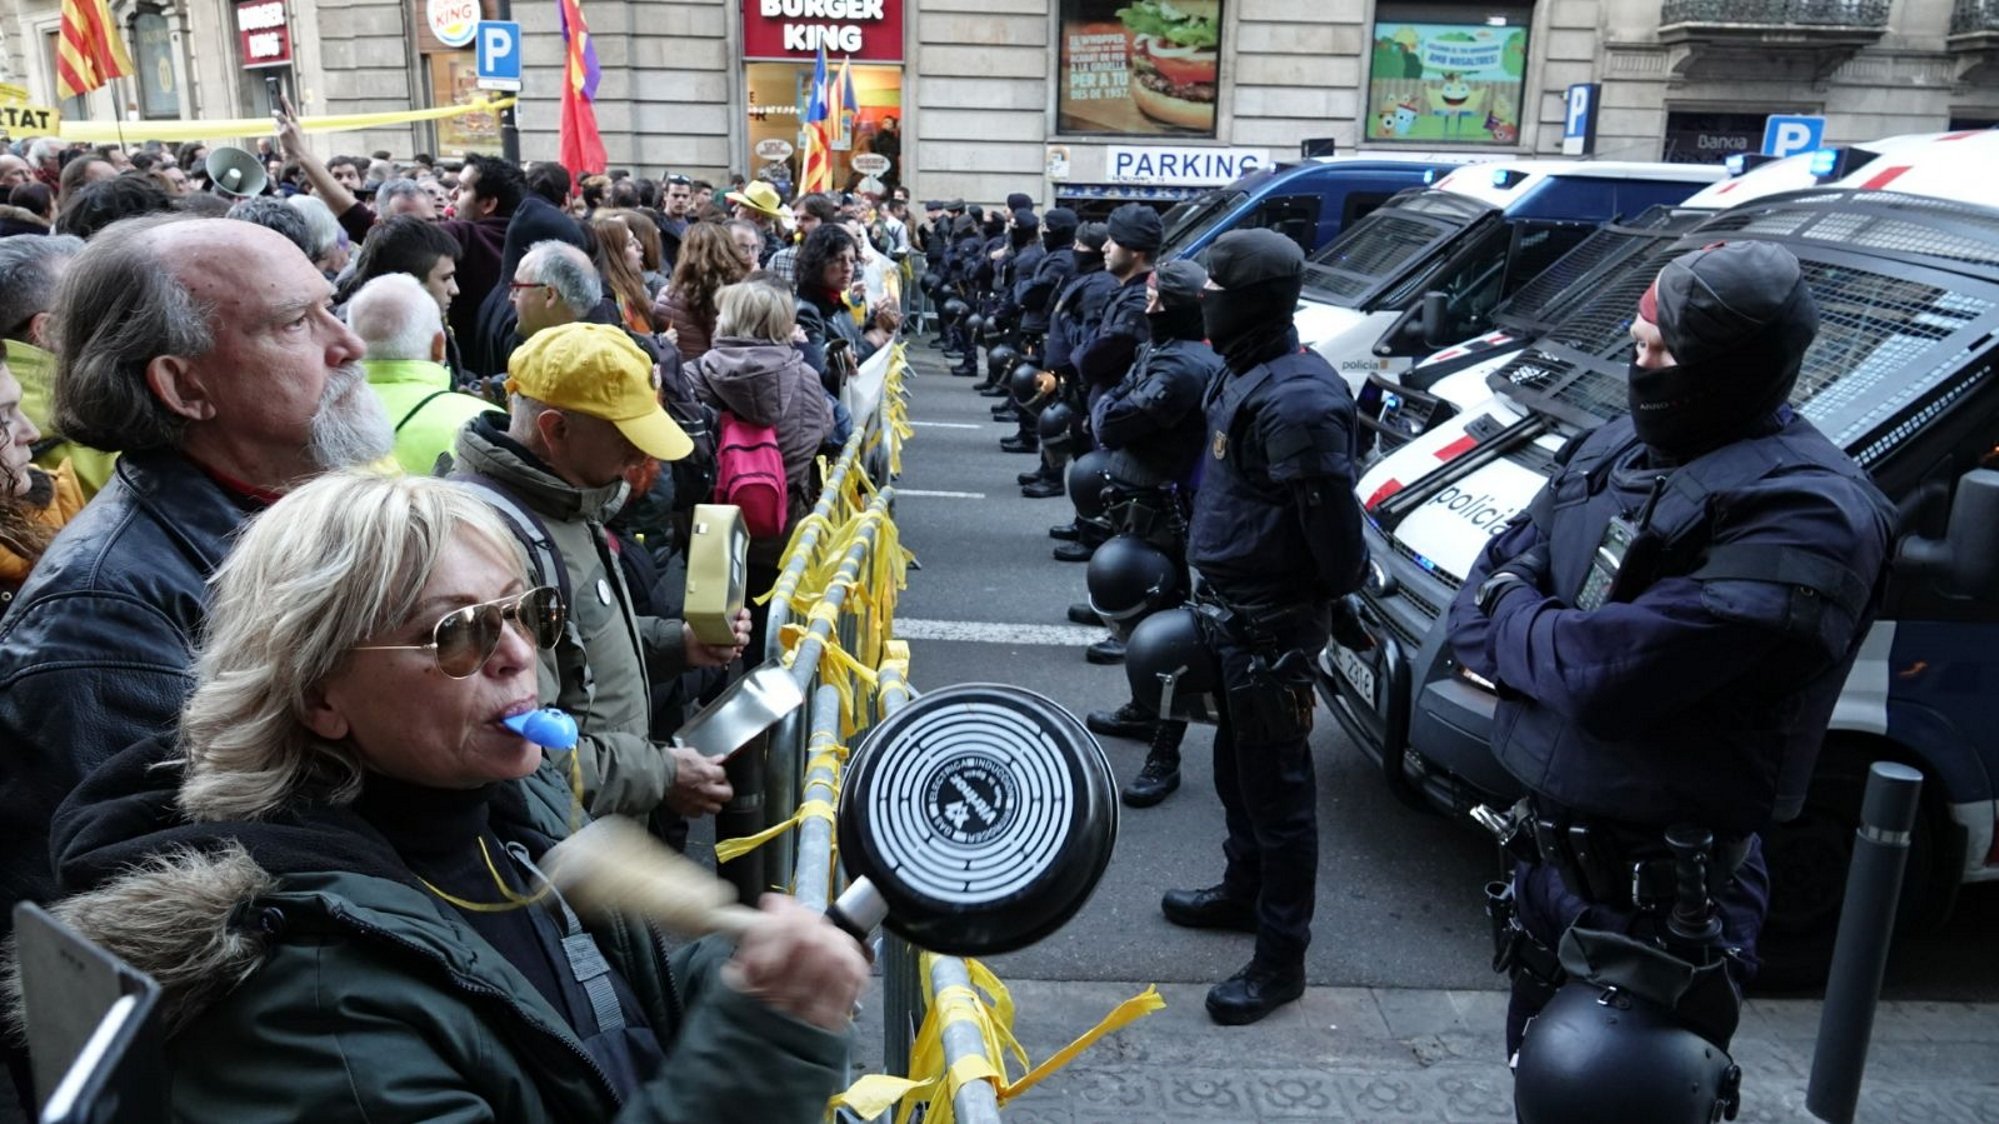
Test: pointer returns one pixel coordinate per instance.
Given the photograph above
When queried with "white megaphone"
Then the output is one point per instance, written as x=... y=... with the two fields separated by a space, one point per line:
x=236 y=173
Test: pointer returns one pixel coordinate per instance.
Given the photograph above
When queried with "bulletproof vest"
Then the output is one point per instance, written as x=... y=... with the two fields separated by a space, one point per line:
x=1246 y=539
x=1608 y=544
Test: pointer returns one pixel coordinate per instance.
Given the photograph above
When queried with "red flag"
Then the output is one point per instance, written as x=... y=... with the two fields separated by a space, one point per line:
x=582 y=149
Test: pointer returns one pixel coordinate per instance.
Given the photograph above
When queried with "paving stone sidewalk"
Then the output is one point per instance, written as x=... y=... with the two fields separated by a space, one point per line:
x=1368 y=1055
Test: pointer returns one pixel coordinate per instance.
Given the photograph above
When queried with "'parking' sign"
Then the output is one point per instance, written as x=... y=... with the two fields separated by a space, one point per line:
x=1788 y=136
x=499 y=52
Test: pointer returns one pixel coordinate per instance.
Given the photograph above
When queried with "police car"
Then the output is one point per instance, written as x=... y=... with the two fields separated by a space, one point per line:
x=1428 y=267
x=1903 y=257
x=1309 y=202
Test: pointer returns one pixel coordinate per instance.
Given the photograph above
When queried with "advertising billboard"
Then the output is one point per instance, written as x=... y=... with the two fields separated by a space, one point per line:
x=1139 y=67
x=1447 y=83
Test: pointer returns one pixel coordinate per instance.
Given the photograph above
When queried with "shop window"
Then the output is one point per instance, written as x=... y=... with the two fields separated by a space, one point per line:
x=871 y=126
x=1711 y=138
x=1442 y=74
x=151 y=38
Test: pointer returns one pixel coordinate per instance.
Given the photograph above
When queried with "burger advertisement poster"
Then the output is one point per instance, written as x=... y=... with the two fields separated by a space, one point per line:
x=1139 y=67
x=1444 y=82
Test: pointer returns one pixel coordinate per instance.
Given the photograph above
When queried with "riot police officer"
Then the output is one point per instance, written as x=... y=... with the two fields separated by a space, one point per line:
x=1079 y=308
x=1152 y=426
x=1276 y=537
x=1668 y=626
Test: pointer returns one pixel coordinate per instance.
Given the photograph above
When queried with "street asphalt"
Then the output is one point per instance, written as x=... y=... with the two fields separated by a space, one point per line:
x=1399 y=901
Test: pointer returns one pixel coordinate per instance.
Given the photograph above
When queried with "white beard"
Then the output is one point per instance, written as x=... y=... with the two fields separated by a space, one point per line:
x=350 y=428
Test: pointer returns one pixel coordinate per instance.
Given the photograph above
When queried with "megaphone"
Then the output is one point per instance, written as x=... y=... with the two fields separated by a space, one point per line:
x=235 y=173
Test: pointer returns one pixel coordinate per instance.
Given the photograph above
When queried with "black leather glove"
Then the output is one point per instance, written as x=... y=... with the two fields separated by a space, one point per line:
x=1528 y=568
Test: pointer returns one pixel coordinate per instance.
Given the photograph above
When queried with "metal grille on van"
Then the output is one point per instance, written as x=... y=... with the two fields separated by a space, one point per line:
x=1379 y=250
x=1601 y=324
x=1540 y=299
x=1872 y=220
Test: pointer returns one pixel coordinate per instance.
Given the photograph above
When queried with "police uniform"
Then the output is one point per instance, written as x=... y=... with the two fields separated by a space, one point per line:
x=1671 y=621
x=1275 y=538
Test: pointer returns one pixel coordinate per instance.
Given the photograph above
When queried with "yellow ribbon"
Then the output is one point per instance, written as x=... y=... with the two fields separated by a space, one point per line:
x=182 y=129
x=727 y=850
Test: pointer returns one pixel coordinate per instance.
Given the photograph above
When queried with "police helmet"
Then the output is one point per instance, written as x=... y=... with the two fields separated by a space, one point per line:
x=1025 y=382
x=1129 y=578
x=955 y=309
x=1602 y=1053
x=973 y=322
x=1172 y=671
x=1001 y=358
x=1089 y=475
x=1057 y=426
x=932 y=281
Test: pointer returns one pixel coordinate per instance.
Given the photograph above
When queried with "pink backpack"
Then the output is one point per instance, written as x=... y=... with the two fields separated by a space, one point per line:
x=749 y=473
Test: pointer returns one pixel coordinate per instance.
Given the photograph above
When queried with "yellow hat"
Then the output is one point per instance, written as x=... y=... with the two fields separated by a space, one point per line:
x=596 y=369
x=758 y=196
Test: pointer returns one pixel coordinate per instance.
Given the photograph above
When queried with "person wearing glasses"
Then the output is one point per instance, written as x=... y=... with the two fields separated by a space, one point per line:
x=206 y=353
x=583 y=413
x=349 y=920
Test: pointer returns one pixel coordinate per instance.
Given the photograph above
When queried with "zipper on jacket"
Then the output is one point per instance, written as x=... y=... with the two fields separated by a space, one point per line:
x=466 y=984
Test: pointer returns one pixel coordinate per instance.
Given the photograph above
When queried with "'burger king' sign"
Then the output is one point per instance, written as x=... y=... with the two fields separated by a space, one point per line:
x=454 y=22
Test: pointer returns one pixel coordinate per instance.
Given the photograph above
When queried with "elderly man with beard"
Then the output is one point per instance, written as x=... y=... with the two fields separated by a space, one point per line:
x=206 y=353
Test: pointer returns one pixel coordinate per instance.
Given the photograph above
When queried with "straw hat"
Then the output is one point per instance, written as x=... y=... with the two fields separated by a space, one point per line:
x=758 y=196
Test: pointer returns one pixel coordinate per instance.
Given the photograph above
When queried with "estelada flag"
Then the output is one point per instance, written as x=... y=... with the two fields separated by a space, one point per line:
x=818 y=175
x=581 y=148
x=89 y=52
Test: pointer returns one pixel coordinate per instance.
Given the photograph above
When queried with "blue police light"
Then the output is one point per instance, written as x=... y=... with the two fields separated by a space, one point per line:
x=1824 y=161
x=1736 y=164
x=1429 y=176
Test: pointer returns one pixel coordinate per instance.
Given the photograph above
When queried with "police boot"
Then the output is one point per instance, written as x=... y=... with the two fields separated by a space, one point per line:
x=1042 y=487
x=968 y=367
x=994 y=390
x=1006 y=411
x=1069 y=532
x=1108 y=651
x=1160 y=775
x=1254 y=992
x=1210 y=908
x=1081 y=613
x=1022 y=442
x=1127 y=721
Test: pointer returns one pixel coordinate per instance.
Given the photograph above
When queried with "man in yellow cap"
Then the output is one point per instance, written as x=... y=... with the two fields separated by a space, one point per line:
x=759 y=203
x=583 y=411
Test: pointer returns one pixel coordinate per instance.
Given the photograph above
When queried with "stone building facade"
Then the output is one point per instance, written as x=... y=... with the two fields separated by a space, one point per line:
x=991 y=96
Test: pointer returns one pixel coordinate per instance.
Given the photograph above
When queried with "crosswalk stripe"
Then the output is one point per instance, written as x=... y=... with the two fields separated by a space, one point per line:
x=992 y=632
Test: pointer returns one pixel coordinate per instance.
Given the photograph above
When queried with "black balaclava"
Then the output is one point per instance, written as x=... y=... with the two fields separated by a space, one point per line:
x=1019 y=201
x=1026 y=229
x=1058 y=229
x=1738 y=318
x=1260 y=273
x=1180 y=284
x=1091 y=236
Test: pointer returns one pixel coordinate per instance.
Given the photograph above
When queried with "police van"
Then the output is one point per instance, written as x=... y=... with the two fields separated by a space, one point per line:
x=1409 y=402
x=1309 y=202
x=1903 y=259
x=1428 y=266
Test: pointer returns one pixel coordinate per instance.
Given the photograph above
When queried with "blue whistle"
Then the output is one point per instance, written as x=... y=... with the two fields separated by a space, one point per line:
x=548 y=727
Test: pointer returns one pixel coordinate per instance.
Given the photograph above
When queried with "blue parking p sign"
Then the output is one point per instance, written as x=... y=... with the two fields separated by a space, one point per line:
x=1579 y=119
x=1790 y=135
x=499 y=55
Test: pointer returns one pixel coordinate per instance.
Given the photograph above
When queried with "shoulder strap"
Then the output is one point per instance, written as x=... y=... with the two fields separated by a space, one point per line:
x=418 y=408
x=1781 y=565
x=549 y=569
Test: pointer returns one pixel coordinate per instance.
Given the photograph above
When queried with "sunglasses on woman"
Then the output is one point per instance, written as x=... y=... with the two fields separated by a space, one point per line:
x=464 y=639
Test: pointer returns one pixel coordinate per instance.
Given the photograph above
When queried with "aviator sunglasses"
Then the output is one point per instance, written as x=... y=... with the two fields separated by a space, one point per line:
x=464 y=639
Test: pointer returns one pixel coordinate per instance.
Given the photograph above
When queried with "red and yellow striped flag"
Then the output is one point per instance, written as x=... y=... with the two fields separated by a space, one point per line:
x=90 y=51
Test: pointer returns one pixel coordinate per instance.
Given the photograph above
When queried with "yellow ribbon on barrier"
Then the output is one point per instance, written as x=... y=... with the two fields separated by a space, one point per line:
x=842 y=676
x=727 y=850
x=987 y=1006
x=181 y=129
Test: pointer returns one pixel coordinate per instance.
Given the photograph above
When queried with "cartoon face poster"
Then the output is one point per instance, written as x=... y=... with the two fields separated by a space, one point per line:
x=1446 y=83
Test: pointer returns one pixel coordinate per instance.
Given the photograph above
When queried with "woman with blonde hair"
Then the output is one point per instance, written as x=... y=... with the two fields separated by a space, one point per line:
x=619 y=261
x=352 y=896
x=708 y=262
x=34 y=504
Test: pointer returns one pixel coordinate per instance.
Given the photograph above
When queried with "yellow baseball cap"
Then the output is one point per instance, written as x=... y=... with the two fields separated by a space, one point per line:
x=596 y=369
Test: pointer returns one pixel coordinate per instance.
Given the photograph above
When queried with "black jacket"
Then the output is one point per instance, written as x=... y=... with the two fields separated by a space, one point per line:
x=824 y=320
x=96 y=653
x=1152 y=420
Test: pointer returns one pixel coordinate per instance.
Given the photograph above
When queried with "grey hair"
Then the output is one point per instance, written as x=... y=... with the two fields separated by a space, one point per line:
x=395 y=316
x=28 y=269
x=320 y=224
x=395 y=189
x=271 y=213
x=753 y=310
x=44 y=148
x=567 y=270
x=333 y=563
x=119 y=307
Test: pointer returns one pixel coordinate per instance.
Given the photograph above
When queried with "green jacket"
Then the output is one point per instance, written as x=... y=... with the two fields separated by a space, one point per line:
x=341 y=991
x=427 y=413
x=35 y=370
x=624 y=770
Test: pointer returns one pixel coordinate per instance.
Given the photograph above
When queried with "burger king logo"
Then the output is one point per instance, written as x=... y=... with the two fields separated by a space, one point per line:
x=454 y=22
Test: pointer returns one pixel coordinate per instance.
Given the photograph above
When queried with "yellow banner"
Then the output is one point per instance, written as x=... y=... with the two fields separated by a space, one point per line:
x=107 y=132
x=23 y=120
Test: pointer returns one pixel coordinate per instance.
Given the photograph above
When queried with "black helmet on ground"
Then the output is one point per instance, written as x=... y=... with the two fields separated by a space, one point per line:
x=973 y=322
x=1129 y=579
x=1025 y=383
x=1089 y=475
x=1602 y=1053
x=1172 y=671
x=955 y=310
x=1000 y=359
x=1057 y=426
